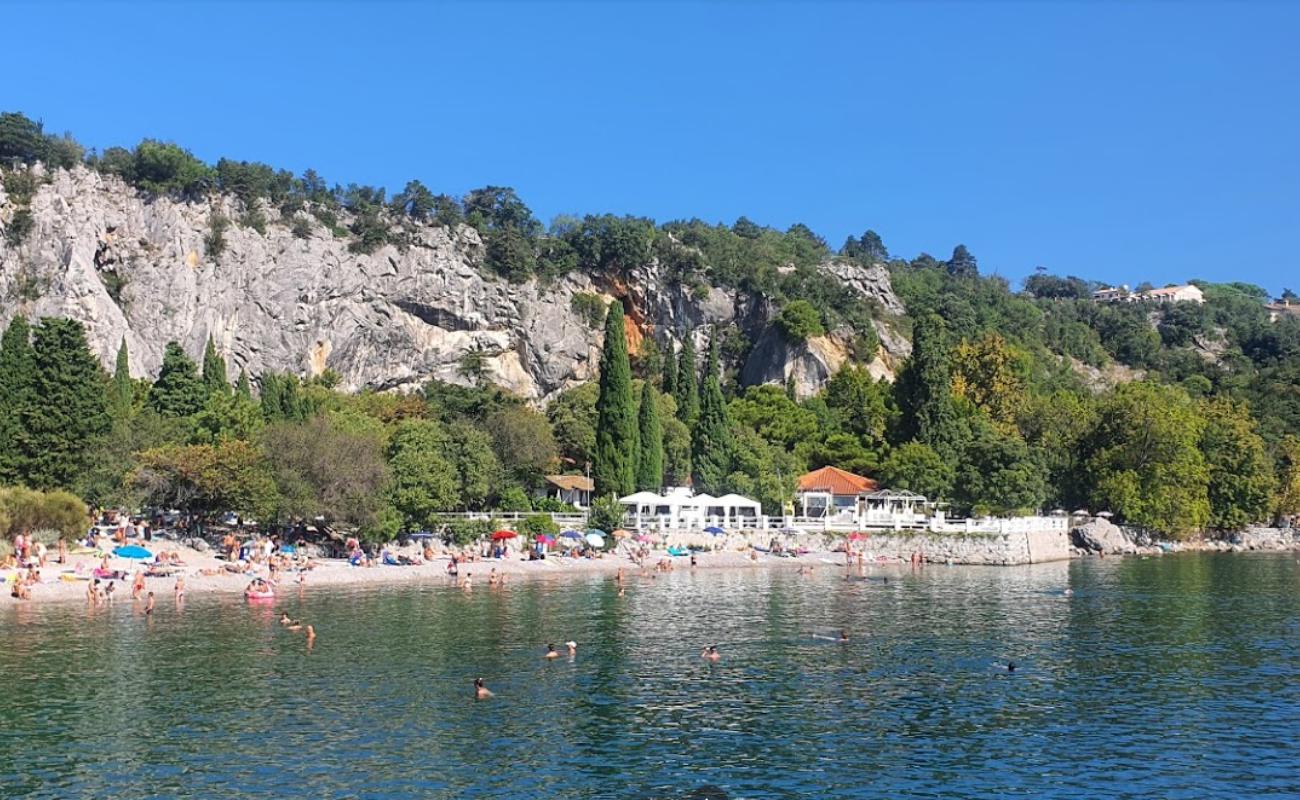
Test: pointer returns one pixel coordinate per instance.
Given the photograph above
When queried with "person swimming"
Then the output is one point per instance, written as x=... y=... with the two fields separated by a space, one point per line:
x=481 y=691
x=844 y=635
x=711 y=653
x=1011 y=666
x=311 y=634
x=573 y=647
x=148 y=604
x=551 y=652
x=285 y=619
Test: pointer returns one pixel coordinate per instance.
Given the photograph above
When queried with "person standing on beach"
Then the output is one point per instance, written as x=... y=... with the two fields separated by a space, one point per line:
x=137 y=586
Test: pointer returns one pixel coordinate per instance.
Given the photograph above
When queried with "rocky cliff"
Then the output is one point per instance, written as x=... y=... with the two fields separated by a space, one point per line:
x=132 y=267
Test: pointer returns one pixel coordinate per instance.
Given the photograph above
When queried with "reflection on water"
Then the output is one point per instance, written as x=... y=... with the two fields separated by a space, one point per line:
x=1168 y=677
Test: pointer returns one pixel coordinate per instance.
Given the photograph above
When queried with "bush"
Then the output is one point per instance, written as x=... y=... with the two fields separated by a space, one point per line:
x=606 y=513
x=538 y=524
x=59 y=513
x=461 y=532
x=799 y=321
x=590 y=307
x=215 y=242
x=552 y=506
x=514 y=498
x=253 y=217
x=300 y=227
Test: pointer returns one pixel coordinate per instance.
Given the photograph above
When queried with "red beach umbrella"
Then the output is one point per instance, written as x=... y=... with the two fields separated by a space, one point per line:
x=503 y=534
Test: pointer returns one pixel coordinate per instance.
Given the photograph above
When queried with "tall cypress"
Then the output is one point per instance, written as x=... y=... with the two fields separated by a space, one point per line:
x=650 y=456
x=17 y=394
x=614 y=462
x=272 y=398
x=934 y=418
x=688 y=387
x=73 y=407
x=711 y=436
x=121 y=391
x=668 y=383
x=215 y=379
x=179 y=391
x=243 y=389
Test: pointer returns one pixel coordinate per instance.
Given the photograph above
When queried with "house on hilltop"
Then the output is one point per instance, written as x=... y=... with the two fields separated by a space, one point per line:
x=1185 y=293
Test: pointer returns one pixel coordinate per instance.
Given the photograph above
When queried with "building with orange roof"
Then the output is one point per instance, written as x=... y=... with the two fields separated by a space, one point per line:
x=834 y=492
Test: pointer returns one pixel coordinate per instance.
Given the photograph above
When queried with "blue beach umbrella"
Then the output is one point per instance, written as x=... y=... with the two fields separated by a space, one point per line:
x=132 y=551
x=570 y=535
x=715 y=530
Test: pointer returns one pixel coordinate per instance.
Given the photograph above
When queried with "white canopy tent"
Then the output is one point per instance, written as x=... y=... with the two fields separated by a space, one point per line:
x=678 y=508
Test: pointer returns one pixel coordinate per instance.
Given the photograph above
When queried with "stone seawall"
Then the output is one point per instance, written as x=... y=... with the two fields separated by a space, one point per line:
x=1002 y=549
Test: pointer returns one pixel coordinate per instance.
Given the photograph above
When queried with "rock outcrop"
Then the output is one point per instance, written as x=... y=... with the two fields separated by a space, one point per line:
x=1102 y=536
x=140 y=270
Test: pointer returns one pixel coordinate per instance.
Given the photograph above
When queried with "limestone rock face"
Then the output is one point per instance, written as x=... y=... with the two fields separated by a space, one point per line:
x=140 y=270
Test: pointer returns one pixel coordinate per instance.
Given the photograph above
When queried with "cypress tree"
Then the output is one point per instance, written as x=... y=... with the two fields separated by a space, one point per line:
x=650 y=458
x=272 y=397
x=214 y=370
x=688 y=388
x=179 y=391
x=243 y=389
x=668 y=383
x=291 y=402
x=711 y=436
x=17 y=394
x=934 y=417
x=614 y=462
x=73 y=407
x=121 y=392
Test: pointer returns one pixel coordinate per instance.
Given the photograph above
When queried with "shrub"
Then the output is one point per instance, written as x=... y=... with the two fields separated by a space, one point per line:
x=799 y=321
x=215 y=242
x=606 y=513
x=590 y=307
x=537 y=525
x=461 y=532
x=514 y=498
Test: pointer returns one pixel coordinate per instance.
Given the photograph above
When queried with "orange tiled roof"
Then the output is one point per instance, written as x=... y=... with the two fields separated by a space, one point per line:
x=836 y=481
x=571 y=482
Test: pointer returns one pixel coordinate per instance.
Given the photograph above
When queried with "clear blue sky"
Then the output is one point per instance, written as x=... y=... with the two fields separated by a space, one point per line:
x=1114 y=141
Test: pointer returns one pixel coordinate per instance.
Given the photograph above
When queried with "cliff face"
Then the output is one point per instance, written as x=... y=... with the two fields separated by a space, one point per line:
x=136 y=268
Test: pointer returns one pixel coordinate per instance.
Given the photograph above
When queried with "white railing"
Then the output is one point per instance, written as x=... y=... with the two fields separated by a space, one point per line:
x=569 y=519
x=845 y=523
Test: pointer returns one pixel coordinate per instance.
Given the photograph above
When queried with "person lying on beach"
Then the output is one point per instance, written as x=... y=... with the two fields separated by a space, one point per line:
x=711 y=653
x=480 y=690
x=551 y=652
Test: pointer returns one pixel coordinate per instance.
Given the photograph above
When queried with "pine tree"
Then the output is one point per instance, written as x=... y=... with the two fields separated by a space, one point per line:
x=614 y=464
x=178 y=392
x=272 y=398
x=215 y=379
x=711 y=436
x=650 y=458
x=121 y=392
x=73 y=407
x=688 y=387
x=243 y=389
x=668 y=383
x=934 y=418
x=17 y=393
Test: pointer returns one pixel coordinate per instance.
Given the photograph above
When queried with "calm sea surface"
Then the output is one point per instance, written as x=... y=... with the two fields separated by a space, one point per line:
x=1174 y=677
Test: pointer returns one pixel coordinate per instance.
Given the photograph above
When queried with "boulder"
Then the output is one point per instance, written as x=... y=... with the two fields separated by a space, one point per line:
x=1102 y=536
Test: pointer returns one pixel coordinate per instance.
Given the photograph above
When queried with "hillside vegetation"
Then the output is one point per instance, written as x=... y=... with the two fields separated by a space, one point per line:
x=1003 y=407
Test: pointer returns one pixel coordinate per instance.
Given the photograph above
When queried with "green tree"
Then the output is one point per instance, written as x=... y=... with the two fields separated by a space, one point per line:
x=688 y=387
x=711 y=457
x=161 y=168
x=926 y=390
x=72 y=407
x=859 y=405
x=121 y=392
x=650 y=463
x=226 y=415
x=614 y=465
x=243 y=388
x=524 y=443
x=178 y=391
x=207 y=480
x=423 y=482
x=215 y=379
x=992 y=375
x=916 y=467
x=1287 y=501
x=1144 y=461
x=469 y=451
x=1241 y=478
x=325 y=467
x=572 y=415
x=998 y=474
x=17 y=398
x=799 y=321
x=668 y=381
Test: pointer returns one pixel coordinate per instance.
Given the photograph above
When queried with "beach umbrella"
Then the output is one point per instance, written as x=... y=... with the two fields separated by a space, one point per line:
x=288 y=549
x=132 y=551
x=643 y=537
x=857 y=536
x=596 y=531
x=419 y=535
x=595 y=540
x=1083 y=512
x=545 y=538
x=502 y=535
x=1106 y=514
x=715 y=530
x=791 y=529
x=619 y=533
x=570 y=535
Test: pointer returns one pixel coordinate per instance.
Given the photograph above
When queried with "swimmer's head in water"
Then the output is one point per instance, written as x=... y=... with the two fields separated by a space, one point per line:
x=478 y=683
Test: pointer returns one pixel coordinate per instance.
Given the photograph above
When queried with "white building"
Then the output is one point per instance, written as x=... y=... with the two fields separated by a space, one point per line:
x=679 y=509
x=1186 y=293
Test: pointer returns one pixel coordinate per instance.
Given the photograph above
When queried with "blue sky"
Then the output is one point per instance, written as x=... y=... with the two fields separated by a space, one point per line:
x=1114 y=141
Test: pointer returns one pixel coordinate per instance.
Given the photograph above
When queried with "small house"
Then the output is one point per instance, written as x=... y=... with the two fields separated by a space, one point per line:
x=572 y=489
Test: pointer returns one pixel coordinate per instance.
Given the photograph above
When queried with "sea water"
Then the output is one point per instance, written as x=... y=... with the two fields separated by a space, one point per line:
x=1174 y=677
